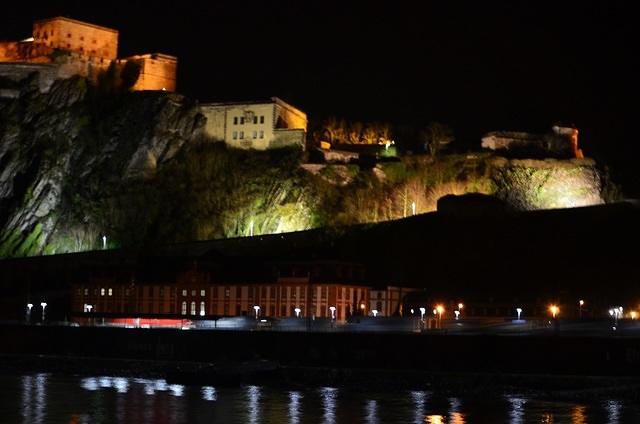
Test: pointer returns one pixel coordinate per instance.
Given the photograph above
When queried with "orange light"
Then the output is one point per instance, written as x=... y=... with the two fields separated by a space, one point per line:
x=440 y=309
x=554 y=310
x=460 y=306
x=362 y=306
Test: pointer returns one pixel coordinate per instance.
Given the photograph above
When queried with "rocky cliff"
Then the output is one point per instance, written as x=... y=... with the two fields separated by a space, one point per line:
x=80 y=163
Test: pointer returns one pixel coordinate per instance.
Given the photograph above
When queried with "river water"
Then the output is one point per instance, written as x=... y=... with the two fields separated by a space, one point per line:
x=54 y=398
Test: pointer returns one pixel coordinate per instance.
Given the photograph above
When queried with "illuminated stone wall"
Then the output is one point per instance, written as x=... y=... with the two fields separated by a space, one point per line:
x=157 y=71
x=75 y=36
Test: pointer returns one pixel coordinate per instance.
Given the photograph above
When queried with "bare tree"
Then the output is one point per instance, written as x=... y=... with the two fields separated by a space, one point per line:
x=435 y=137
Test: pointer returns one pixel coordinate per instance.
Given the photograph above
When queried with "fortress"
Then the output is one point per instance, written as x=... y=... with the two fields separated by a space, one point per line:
x=62 y=47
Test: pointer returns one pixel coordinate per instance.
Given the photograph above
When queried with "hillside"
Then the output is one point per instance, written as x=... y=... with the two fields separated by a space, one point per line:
x=82 y=162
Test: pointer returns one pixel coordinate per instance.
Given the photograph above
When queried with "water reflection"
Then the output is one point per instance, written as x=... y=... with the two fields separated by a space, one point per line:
x=42 y=398
x=419 y=398
x=209 y=393
x=328 y=395
x=516 y=412
x=294 y=407
x=33 y=406
x=613 y=409
x=253 y=408
x=371 y=411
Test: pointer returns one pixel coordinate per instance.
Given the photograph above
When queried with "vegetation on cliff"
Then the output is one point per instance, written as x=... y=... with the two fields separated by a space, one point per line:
x=84 y=162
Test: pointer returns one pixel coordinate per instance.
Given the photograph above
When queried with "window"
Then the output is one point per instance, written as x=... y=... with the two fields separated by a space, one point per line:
x=235 y=120
x=261 y=134
x=255 y=119
x=101 y=292
x=184 y=292
x=241 y=121
x=226 y=292
x=202 y=309
x=110 y=292
x=184 y=308
x=86 y=292
x=235 y=135
x=262 y=119
x=69 y=36
x=81 y=38
x=255 y=134
x=202 y=292
x=193 y=292
x=193 y=308
x=161 y=292
x=241 y=135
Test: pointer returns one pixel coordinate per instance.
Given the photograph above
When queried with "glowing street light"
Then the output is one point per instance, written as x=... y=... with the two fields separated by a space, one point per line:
x=580 y=305
x=440 y=310
x=297 y=311
x=460 y=306
x=44 y=305
x=374 y=312
x=633 y=314
x=554 y=310
x=333 y=312
x=457 y=314
x=257 y=309
x=519 y=311
x=29 y=306
x=422 y=312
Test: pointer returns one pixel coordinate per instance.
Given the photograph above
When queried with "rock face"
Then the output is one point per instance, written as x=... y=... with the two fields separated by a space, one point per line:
x=74 y=141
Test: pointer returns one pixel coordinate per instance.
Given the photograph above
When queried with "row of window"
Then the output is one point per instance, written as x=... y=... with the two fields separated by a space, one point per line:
x=193 y=292
x=240 y=135
x=193 y=308
x=241 y=120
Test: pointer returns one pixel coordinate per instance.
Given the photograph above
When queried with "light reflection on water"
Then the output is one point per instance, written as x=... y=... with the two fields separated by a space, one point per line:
x=43 y=398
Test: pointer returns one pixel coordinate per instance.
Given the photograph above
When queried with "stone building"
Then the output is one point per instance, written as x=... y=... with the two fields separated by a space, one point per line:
x=61 y=47
x=259 y=125
x=561 y=143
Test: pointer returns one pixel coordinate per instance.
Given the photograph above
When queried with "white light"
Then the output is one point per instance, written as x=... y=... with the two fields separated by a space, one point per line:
x=333 y=312
x=43 y=304
x=413 y=208
x=519 y=311
x=29 y=306
x=422 y=312
x=297 y=311
x=374 y=312
x=257 y=309
x=201 y=312
x=457 y=314
x=251 y=228
x=104 y=242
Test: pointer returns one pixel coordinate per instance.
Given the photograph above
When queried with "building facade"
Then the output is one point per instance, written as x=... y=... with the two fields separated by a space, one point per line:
x=304 y=289
x=256 y=125
x=73 y=47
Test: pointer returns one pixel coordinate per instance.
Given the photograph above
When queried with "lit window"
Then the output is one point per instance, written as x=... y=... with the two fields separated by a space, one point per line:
x=193 y=308
x=110 y=292
x=101 y=292
x=241 y=121
x=184 y=292
x=261 y=134
x=255 y=134
x=235 y=135
x=235 y=120
x=262 y=119
x=241 y=135
x=184 y=308
x=201 y=292
x=201 y=309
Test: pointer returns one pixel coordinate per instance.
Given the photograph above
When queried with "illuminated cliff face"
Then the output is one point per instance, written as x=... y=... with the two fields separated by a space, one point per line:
x=547 y=184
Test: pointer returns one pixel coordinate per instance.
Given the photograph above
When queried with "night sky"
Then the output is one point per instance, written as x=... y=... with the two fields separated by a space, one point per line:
x=477 y=66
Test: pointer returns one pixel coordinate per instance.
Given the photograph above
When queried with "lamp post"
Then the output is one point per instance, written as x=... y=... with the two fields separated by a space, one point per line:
x=422 y=312
x=519 y=311
x=29 y=306
x=460 y=306
x=440 y=310
x=580 y=305
x=297 y=311
x=554 y=311
x=457 y=314
x=257 y=309
x=333 y=312
x=374 y=312
x=44 y=305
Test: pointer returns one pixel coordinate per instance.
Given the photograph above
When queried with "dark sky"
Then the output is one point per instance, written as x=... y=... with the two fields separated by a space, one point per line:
x=475 y=65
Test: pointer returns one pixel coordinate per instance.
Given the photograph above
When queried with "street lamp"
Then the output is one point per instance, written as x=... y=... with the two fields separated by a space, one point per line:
x=580 y=305
x=29 y=306
x=297 y=311
x=519 y=311
x=457 y=314
x=440 y=310
x=460 y=306
x=554 y=310
x=257 y=309
x=374 y=312
x=333 y=312
x=422 y=312
x=44 y=305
